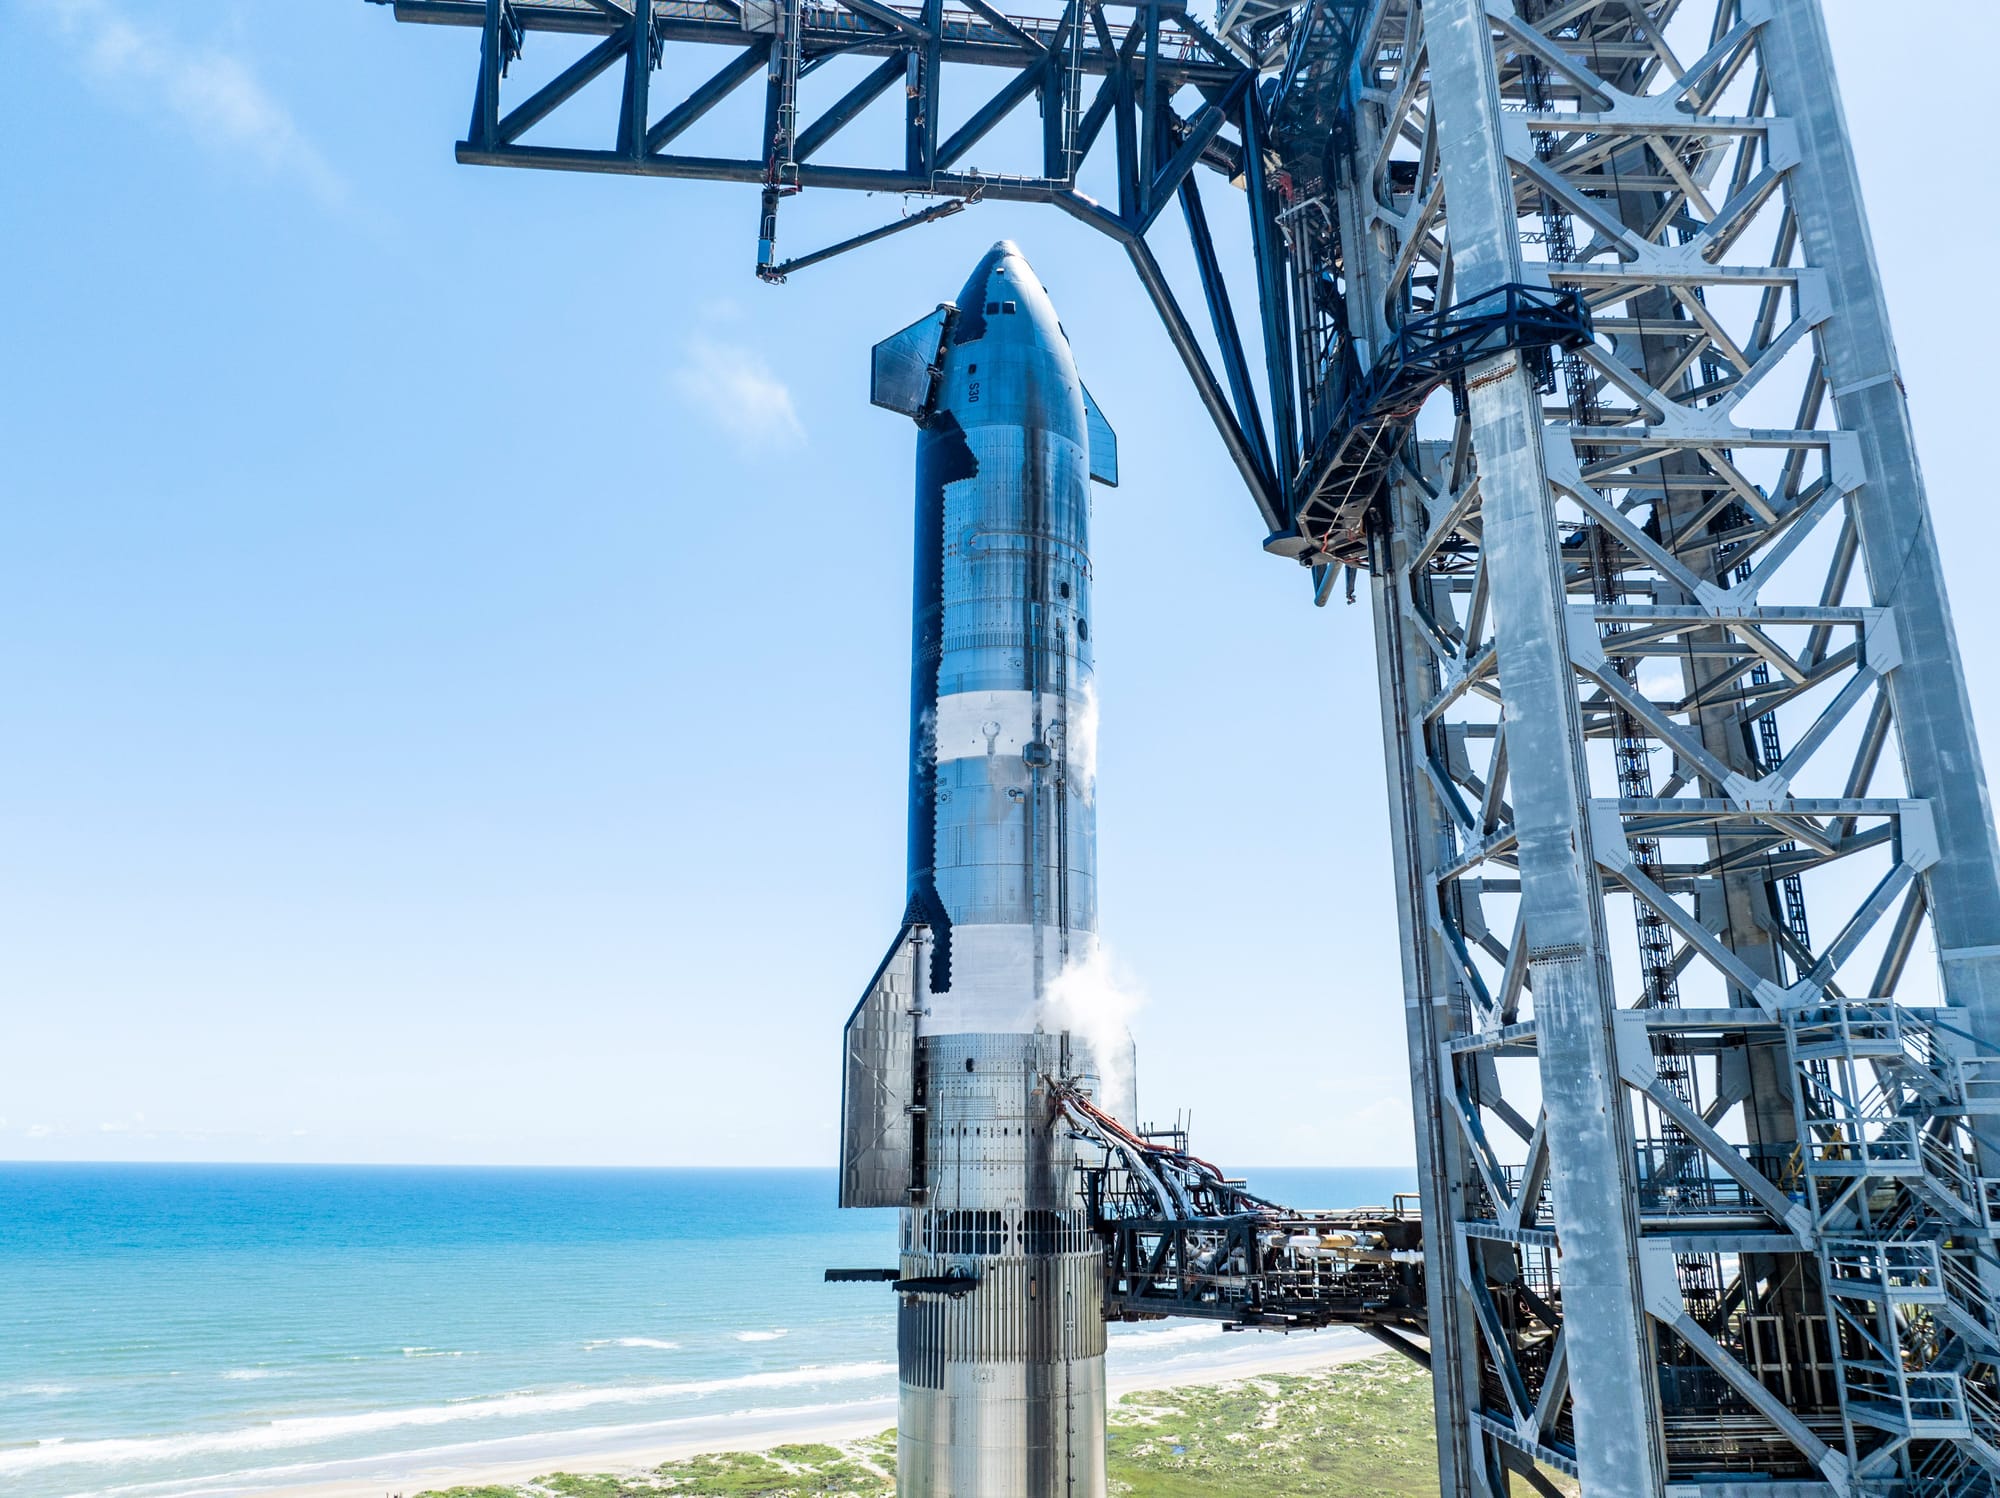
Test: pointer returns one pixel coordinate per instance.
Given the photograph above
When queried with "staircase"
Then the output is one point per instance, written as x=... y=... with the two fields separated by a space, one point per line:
x=1905 y=1226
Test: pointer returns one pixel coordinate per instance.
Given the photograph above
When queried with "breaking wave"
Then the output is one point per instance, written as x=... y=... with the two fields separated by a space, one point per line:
x=312 y=1430
x=1146 y=1341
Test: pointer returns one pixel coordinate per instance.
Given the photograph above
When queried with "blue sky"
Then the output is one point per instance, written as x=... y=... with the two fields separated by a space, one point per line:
x=454 y=626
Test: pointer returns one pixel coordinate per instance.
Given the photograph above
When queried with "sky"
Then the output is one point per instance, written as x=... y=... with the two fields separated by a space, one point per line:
x=454 y=624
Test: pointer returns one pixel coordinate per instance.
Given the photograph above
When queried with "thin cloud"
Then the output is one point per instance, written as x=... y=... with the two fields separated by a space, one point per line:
x=737 y=390
x=214 y=94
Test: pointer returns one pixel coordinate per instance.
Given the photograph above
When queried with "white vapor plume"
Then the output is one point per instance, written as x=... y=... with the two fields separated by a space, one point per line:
x=1094 y=1000
x=1081 y=742
x=739 y=392
x=215 y=95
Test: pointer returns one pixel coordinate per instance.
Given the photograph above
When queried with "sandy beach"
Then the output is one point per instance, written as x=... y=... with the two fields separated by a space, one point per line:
x=630 y=1448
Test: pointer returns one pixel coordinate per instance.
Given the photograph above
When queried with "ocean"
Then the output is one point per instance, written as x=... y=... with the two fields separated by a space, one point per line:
x=169 y=1331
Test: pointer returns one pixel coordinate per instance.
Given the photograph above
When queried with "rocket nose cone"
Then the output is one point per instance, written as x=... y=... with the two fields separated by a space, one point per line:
x=1004 y=277
x=1010 y=361
x=1005 y=320
x=1006 y=252
x=974 y=294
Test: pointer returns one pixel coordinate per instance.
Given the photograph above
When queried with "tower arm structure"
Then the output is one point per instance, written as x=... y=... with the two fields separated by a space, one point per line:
x=1182 y=1239
x=1681 y=767
x=1146 y=88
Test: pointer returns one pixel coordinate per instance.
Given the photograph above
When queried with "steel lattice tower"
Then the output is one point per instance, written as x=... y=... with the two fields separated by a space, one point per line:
x=1708 y=1211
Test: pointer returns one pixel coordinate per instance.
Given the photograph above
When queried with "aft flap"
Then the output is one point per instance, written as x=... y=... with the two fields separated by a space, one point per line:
x=904 y=374
x=1103 y=443
x=878 y=1145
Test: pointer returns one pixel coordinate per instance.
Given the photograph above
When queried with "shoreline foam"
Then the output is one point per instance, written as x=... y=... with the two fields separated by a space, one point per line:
x=615 y=1449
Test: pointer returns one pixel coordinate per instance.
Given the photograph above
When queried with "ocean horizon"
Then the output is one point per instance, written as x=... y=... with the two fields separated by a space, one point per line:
x=172 y=1331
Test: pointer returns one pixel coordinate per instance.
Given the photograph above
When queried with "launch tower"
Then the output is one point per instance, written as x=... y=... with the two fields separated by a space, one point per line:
x=1681 y=768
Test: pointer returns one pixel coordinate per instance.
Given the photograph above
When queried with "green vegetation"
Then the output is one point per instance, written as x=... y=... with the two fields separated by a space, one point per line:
x=778 y=1473
x=1362 y=1428
x=1359 y=1428
x=853 y=1467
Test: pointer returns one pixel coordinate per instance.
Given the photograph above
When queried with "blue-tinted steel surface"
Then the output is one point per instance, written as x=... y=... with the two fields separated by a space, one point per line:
x=1001 y=1331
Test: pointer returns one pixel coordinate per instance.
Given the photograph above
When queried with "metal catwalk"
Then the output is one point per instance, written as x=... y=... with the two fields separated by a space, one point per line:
x=1681 y=764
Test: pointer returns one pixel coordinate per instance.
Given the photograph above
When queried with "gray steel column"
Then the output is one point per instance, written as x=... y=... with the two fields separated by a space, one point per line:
x=1615 y=1394
x=1429 y=1003
x=1933 y=714
x=1435 y=1005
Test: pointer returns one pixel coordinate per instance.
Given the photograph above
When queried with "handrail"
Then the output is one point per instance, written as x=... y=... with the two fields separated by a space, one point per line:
x=1347 y=471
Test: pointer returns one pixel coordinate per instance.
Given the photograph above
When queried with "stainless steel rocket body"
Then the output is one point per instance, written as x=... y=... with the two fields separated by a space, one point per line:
x=1001 y=1391
x=1002 y=710
x=1002 y=1382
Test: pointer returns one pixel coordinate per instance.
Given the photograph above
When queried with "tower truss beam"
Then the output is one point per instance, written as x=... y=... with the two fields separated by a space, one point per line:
x=1710 y=1182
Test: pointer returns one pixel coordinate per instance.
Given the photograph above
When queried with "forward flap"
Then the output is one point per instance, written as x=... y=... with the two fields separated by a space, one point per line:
x=1103 y=443
x=905 y=369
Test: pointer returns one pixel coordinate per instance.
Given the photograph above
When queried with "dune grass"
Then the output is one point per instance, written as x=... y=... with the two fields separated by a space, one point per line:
x=1359 y=1428
x=1356 y=1428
